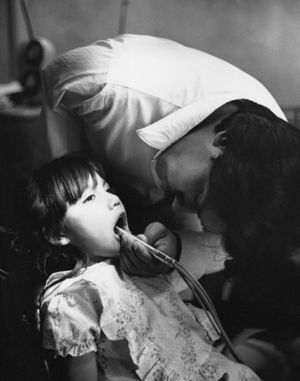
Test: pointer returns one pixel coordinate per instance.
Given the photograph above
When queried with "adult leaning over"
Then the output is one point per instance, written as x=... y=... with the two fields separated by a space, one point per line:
x=135 y=101
x=253 y=201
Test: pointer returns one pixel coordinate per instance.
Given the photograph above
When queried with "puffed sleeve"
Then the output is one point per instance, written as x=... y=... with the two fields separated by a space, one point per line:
x=71 y=320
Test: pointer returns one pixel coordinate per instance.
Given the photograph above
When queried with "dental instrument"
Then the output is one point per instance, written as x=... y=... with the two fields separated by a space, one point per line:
x=200 y=294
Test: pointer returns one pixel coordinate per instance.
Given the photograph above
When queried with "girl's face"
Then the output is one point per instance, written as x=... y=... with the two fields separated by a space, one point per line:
x=89 y=223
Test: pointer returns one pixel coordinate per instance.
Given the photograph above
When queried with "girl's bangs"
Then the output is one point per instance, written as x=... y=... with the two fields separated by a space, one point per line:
x=72 y=182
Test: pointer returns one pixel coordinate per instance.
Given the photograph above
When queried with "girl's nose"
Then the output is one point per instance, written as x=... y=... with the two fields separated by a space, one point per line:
x=113 y=201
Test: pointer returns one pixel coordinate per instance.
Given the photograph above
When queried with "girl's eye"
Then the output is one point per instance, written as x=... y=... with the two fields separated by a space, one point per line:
x=89 y=198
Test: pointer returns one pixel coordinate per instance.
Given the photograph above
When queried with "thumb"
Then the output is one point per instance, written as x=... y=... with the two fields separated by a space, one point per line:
x=155 y=231
x=143 y=238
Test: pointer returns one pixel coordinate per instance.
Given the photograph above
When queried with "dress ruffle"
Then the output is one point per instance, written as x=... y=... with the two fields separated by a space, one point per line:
x=76 y=349
x=139 y=327
x=152 y=318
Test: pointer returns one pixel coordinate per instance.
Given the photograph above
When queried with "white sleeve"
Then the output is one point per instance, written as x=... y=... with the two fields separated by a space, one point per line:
x=62 y=133
x=69 y=82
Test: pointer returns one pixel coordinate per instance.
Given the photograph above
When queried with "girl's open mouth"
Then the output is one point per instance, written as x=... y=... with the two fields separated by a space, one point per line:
x=121 y=223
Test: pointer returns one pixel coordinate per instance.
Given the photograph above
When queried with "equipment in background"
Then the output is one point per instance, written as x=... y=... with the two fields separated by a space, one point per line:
x=34 y=55
x=30 y=57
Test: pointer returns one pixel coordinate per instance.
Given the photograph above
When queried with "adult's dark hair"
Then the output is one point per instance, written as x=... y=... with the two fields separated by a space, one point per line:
x=255 y=188
x=41 y=201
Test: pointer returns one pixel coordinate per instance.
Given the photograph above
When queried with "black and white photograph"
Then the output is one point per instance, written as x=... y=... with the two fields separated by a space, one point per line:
x=150 y=190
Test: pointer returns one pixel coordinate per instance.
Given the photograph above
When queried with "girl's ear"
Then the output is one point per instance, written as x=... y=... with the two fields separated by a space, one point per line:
x=60 y=240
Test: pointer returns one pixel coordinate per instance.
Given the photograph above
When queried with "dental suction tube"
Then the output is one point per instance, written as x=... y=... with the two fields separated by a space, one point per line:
x=198 y=291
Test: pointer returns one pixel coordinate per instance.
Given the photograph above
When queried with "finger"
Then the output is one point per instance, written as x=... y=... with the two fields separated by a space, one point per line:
x=161 y=238
x=143 y=237
x=127 y=243
x=145 y=263
x=141 y=252
x=137 y=249
x=148 y=256
x=126 y=239
x=137 y=260
x=132 y=267
x=136 y=252
x=128 y=262
x=162 y=243
x=155 y=231
x=126 y=249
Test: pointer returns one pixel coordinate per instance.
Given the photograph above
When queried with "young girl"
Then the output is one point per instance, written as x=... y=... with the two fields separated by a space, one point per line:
x=98 y=322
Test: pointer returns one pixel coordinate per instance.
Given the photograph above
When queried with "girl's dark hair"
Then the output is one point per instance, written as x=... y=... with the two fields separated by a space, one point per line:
x=41 y=203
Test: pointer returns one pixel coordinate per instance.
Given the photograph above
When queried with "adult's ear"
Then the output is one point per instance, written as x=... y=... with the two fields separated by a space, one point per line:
x=60 y=240
x=220 y=140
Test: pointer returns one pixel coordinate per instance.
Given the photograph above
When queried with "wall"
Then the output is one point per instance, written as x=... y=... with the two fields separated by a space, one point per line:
x=4 y=71
x=262 y=37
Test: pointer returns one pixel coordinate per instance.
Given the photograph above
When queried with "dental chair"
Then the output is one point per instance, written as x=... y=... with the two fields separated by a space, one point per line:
x=21 y=355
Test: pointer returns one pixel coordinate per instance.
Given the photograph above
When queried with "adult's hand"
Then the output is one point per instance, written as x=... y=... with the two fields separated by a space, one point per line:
x=135 y=258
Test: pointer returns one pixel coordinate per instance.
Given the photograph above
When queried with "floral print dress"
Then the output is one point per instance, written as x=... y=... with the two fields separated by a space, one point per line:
x=139 y=328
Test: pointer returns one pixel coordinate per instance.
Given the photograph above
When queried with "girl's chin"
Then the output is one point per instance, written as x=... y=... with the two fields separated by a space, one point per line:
x=110 y=251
